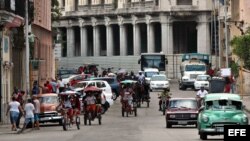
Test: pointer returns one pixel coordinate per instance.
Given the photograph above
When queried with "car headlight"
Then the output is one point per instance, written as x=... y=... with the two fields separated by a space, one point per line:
x=171 y=116
x=166 y=84
x=245 y=119
x=152 y=83
x=185 y=79
x=193 y=115
x=205 y=118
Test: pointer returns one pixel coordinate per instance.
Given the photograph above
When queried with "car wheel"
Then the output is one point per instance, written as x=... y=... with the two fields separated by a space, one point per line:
x=168 y=125
x=203 y=136
x=114 y=96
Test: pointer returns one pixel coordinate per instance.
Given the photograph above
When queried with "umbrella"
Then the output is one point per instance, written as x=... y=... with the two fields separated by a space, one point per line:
x=128 y=81
x=121 y=71
x=92 y=89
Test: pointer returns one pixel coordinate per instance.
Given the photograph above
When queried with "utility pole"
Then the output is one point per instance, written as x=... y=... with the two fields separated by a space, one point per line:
x=215 y=34
x=226 y=31
x=27 y=49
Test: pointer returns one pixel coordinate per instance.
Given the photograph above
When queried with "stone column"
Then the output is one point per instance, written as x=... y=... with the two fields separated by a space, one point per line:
x=84 y=41
x=150 y=38
x=203 y=35
x=96 y=39
x=70 y=41
x=203 y=38
x=123 y=42
x=137 y=39
x=110 y=42
x=167 y=37
x=167 y=34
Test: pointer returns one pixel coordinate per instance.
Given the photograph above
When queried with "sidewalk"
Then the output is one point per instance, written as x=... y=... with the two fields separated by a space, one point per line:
x=246 y=102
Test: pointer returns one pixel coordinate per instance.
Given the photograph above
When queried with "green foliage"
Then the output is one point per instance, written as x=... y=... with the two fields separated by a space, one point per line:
x=241 y=48
x=55 y=10
x=235 y=68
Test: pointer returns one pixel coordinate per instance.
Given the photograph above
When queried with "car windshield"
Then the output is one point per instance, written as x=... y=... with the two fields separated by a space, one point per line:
x=224 y=105
x=202 y=78
x=80 y=85
x=110 y=81
x=49 y=99
x=195 y=68
x=159 y=78
x=190 y=104
x=150 y=74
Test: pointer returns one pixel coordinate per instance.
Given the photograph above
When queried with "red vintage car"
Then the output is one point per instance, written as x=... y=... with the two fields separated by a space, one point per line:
x=182 y=111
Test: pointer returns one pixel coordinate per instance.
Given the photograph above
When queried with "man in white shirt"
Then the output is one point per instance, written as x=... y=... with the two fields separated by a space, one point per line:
x=29 y=110
x=201 y=94
x=37 y=111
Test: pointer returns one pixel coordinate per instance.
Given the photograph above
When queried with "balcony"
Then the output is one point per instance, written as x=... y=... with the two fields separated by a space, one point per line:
x=16 y=7
x=97 y=7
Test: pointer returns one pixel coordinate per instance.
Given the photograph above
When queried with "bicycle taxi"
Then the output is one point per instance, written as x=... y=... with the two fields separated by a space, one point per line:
x=92 y=105
x=129 y=105
x=69 y=108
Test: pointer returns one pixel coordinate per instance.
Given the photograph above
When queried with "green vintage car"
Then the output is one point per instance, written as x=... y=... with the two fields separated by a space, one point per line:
x=220 y=109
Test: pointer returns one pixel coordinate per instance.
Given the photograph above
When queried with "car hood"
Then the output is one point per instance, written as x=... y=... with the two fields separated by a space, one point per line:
x=47 y=107
x=201 y=81
x=222 y=115
x=182 y=110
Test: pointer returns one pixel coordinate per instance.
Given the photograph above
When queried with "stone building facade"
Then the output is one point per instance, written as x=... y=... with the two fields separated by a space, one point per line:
x=106 y=31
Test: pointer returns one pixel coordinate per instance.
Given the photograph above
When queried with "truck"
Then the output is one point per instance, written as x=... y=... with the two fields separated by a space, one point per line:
x=192 y=65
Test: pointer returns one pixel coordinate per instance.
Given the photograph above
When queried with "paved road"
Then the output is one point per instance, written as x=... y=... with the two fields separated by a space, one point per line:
x=148 y=126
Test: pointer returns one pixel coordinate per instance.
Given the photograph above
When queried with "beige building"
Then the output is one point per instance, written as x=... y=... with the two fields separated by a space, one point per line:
x=11 y=17
x=115 y=33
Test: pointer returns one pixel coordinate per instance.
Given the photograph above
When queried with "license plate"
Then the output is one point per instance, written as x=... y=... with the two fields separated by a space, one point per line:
x=182 y=122
x=159 y=84
x=220 y=129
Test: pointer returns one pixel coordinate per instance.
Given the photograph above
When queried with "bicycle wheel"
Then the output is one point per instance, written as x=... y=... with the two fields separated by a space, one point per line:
x=78 y=122
x=65 y=124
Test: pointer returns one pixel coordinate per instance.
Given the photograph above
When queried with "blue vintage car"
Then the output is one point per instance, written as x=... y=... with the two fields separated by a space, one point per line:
x=220 y=109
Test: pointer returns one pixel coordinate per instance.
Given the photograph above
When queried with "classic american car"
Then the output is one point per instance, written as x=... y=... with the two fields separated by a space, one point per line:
x=220 y=109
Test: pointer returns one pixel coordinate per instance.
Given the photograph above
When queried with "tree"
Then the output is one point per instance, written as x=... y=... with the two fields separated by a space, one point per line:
x=55 y=10
x=241 y=48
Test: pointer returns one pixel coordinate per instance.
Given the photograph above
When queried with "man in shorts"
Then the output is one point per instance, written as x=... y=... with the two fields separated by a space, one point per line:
x=37 y=111
x=29 y=110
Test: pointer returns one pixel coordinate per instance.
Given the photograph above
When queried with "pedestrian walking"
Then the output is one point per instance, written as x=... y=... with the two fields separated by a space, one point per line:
x=29 y=110
x=20 y=98
x=35 y=89
x=14 y=108
x=36 y=103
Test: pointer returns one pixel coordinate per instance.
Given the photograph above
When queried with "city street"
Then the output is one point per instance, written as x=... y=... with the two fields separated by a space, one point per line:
x=149 y=125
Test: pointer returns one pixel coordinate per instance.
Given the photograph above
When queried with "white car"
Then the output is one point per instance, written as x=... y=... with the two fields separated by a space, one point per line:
x=202 y=80
x=159 y=81
x=107 y=91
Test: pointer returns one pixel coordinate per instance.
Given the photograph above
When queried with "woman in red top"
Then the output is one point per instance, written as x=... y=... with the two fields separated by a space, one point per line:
x=227 y=87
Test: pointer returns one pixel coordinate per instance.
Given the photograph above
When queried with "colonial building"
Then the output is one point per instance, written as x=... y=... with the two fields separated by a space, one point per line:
x=115 y=33
x=11 y=17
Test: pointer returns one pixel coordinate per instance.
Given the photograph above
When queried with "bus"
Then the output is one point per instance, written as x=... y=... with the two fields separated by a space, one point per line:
x=153 y=60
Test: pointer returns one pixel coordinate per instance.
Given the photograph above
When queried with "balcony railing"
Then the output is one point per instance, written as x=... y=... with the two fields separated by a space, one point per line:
x=14 y=6
x=97 y=7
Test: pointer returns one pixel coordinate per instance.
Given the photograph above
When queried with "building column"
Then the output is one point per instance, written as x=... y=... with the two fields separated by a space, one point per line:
x=110 y=42
x=203 y=41
x=167 y=38
x=70 y=41
x=84 y=41
x=137 y=39
x=150 y=38
x=203 y=34
x=123 y=41
x=96 y=39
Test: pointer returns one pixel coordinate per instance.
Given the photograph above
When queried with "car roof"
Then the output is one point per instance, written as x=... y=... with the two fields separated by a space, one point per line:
x=47 y=94
x=220 y=96
x=92 y=81
x=179 y=98
x=159 y=75
x=98 y=78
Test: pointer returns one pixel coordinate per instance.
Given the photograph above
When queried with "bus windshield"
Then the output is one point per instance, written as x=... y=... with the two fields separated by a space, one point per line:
x=153 y=61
